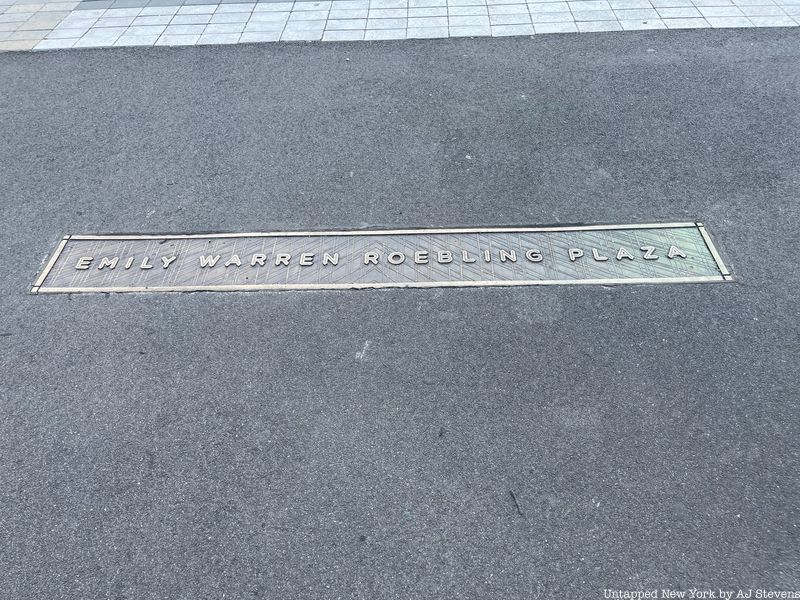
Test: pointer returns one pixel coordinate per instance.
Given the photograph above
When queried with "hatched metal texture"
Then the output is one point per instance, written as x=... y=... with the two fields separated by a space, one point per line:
x=605 y=254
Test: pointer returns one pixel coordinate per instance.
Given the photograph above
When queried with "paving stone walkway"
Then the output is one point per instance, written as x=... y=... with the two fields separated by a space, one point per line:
x=99 y=23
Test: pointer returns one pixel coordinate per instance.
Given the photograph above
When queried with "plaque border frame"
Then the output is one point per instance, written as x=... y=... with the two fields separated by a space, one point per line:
x=724 y=276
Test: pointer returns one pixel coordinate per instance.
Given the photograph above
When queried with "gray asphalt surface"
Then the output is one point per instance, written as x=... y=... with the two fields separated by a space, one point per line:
x=365 y=444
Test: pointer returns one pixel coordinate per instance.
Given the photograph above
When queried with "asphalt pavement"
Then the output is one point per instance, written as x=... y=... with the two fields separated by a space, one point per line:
x=538 y=442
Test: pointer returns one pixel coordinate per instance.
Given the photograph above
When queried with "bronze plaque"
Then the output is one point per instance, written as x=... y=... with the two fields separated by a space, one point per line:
x=589 y=254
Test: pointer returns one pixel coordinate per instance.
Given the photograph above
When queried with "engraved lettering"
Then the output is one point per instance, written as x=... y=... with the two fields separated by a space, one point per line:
x=384 y=258
x=165 y=262
x=208 y=261
x=106 y=262
x=234 y=260
x=648 y=253
x=623 y=253
x=675 y=251
x=510 y=255
x=534 y=256
x=575 y=254
x=597 y=256
x=83 y=262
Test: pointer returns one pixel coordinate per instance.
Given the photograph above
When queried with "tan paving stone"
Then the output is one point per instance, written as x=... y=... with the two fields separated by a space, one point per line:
x=15 y=17
x=24 y=8
x=17 y=45
x=34 y=34
x=37 y=22
x=58 y=6
x=51 y=14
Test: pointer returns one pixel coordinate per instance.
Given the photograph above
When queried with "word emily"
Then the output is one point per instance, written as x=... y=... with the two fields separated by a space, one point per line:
x=419 y=257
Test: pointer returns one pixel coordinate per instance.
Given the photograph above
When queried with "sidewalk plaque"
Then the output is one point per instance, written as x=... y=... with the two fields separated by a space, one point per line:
x=590 y=254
